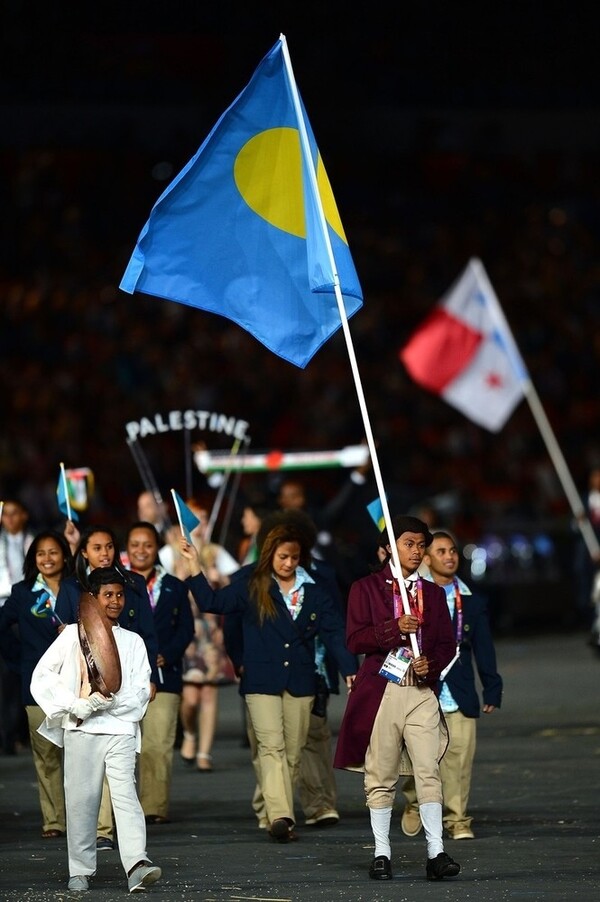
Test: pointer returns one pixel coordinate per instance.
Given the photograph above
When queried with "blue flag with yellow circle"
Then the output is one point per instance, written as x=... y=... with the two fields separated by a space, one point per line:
x=239 y=230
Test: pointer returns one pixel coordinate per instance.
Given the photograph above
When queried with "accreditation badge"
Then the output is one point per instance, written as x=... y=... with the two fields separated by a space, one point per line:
x=396 y=664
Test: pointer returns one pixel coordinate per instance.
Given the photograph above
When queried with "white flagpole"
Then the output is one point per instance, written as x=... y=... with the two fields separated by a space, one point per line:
x=539 y=415
x=346 y=329
x=63 y=476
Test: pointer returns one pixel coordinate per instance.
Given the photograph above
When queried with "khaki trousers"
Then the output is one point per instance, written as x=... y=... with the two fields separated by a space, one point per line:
x=408 y=717
x=316 y=785
x=456 y=769
x=159 y=729
x=316 y=782
x=48 y=761
x=280 y=724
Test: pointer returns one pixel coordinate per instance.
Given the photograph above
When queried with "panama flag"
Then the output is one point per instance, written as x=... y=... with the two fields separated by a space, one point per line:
x=249 y=228
x=465 y=353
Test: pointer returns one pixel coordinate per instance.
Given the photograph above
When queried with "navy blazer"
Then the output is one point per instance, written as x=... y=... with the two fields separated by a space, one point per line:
x=135 y=616
x=35 y=632
x=278 y=655
x=174 y=625
x=477 y=643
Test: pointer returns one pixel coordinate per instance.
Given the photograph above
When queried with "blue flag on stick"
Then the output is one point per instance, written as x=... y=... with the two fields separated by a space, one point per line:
x=375 y=509
x=250 y=229
x=63 y=497
x=188 y=521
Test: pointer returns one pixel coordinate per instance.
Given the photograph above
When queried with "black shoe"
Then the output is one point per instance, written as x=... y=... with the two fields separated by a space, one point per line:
x=281 y=830
x=441 y=866
x=381 y=868
x=104 y=844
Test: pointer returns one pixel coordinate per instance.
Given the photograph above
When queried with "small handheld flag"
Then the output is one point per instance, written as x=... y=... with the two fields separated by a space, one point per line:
x=188 y=521
x=375 y=510
x=62 y=495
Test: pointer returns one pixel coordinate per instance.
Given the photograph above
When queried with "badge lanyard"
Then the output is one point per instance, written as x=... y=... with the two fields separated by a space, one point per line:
x=150 y=584
x=459 y=630
x=459 y=615
x=416 y=609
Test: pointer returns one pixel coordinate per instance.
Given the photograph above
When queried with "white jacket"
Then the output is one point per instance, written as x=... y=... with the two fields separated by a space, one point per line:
x=56 y=682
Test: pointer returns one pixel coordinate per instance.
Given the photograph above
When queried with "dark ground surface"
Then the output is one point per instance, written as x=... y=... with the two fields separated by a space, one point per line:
x=534 y=801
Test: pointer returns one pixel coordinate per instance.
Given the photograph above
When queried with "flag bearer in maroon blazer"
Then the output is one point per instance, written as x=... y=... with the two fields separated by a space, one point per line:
x=393 y=723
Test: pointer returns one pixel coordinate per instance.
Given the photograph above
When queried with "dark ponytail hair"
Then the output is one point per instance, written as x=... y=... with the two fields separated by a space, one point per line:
x=81 y=562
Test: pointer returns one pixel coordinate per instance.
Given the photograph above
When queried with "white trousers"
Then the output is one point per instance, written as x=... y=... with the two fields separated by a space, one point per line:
x=87 y=757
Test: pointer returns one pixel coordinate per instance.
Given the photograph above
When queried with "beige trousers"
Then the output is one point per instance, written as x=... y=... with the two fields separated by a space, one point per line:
x=280 y=724
x=456 y=769
x=408 y=717
x=316 y=785
x=316 y=782
x=48 y=761
x=155 y=763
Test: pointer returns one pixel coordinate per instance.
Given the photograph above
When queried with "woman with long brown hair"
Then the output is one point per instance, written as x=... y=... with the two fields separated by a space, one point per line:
x=277 y=609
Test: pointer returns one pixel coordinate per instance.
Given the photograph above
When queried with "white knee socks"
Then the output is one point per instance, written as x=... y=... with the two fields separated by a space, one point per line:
x=380 y=825
x=431 y=818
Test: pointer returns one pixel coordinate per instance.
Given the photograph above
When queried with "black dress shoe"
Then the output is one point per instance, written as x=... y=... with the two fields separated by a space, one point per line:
x=381 y=868
x=281 y=830
x=441 y=866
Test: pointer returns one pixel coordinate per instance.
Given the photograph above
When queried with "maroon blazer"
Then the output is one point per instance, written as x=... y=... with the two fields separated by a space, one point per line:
x=372 y=630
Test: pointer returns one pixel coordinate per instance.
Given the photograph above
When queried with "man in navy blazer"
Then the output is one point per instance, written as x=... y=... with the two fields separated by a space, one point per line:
x=458 y=692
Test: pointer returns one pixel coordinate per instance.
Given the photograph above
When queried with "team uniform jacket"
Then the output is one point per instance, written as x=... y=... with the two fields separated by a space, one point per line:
x=372 y=630
x=477 y=643
x=275 y=658
x=36 y=633
x=174 y=625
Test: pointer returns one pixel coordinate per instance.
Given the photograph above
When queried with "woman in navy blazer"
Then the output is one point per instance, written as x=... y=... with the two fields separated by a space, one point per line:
x=281 y=610
x=174 y=624
x=31 y=608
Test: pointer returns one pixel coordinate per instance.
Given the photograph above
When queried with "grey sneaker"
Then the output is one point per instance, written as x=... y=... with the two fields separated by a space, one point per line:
x=78 y=884
x=143 y=876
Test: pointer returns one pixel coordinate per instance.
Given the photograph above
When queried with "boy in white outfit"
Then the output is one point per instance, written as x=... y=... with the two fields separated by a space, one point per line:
x=100 y=735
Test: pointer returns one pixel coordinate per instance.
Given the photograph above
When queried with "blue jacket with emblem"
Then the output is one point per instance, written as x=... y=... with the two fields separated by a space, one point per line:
x=279 y=654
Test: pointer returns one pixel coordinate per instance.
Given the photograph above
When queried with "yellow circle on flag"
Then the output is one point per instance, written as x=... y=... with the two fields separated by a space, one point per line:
x=268 y=175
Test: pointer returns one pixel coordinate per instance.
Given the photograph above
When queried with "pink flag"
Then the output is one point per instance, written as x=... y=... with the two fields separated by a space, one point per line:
x=465 y=353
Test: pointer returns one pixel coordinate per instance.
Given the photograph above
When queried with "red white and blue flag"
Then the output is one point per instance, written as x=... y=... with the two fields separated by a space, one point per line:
x=465 y=353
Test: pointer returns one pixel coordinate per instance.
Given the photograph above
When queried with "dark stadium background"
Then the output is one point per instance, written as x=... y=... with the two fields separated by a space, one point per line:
x=448 y=131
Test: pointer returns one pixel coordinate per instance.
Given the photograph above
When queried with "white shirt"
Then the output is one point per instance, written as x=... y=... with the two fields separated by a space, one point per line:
x=56 y=683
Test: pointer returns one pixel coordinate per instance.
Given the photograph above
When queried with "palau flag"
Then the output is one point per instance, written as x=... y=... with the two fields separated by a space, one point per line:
x=250 y=229
x=375 y=509
x=65 y=502
x=188 y=520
